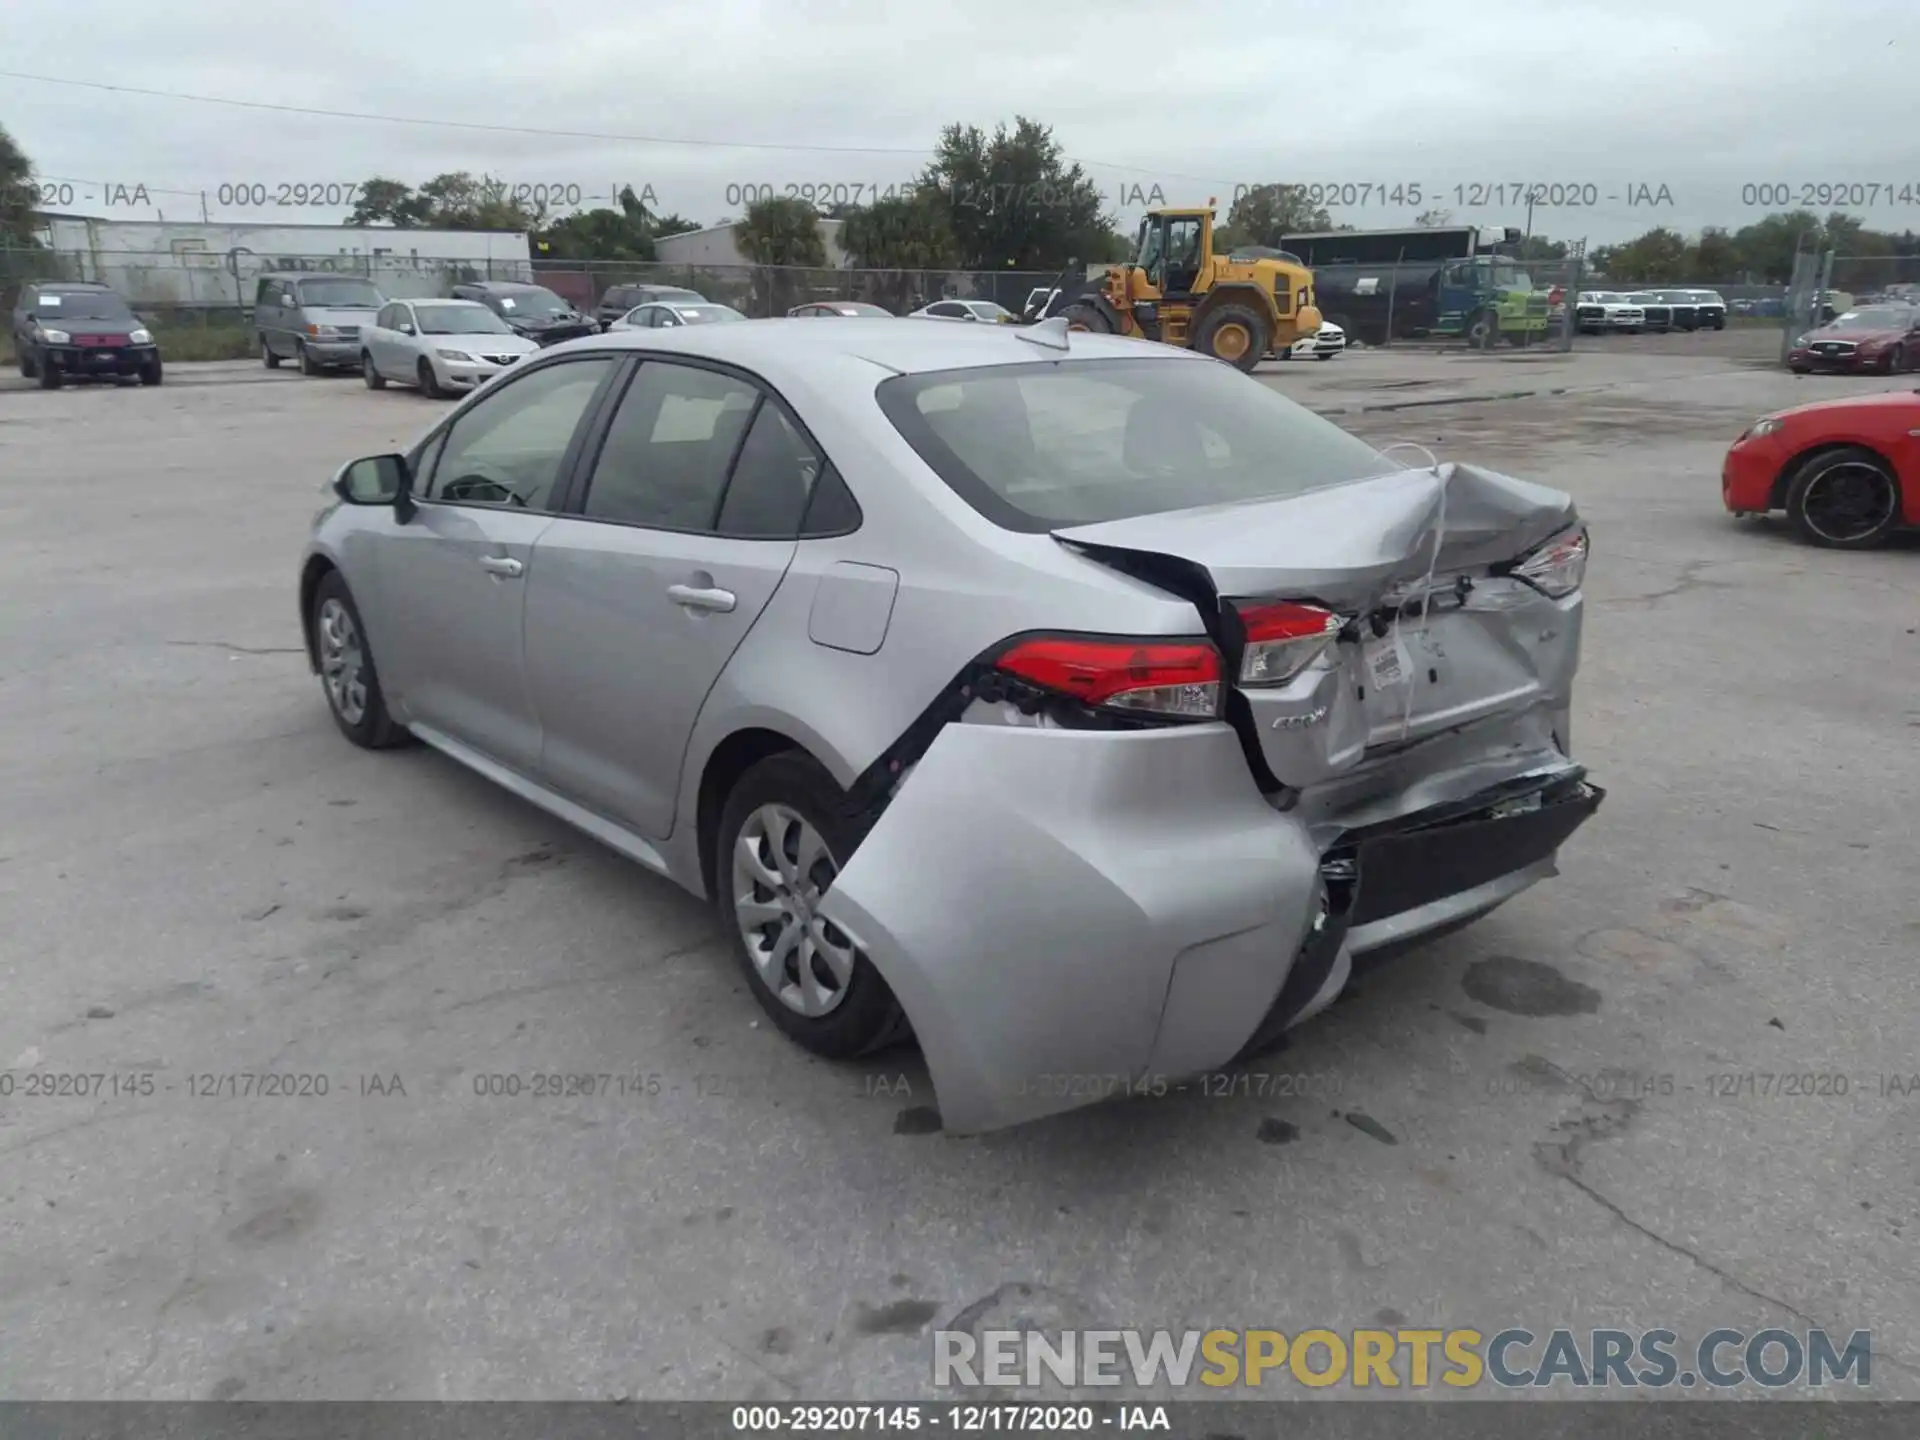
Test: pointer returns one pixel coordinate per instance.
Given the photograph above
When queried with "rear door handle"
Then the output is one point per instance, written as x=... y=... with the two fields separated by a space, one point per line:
x=695 y=598
x=502 y=565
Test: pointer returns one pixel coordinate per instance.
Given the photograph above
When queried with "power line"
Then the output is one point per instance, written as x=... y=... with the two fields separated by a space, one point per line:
x=920 y=152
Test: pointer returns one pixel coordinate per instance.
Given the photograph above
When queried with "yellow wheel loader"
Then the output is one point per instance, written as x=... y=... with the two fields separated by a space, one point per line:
x=1177 y=291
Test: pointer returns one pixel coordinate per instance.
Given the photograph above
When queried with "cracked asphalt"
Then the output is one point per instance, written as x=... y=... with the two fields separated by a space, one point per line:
x=1673 y=1088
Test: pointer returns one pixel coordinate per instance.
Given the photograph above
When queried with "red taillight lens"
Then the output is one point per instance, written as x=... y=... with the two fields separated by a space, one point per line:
x=1174 y=678
x=1283 y=639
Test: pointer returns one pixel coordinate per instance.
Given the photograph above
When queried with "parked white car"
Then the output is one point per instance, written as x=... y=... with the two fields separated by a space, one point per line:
x=1598 y=311
x=977 y=310
x=665 y=314
x=1326 y=344
x=442 y=347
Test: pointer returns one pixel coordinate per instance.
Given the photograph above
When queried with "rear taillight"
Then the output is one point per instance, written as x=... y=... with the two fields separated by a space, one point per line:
x=1171 y=679
x=1283 y=639
x=1557 y=568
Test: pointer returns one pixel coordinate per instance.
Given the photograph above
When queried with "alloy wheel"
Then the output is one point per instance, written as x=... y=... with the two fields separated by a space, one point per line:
x=781 y=868
x=1847 y=502
x=343 y=662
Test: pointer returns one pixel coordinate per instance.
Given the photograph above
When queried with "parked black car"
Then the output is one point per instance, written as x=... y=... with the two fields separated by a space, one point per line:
x=530 y=310
x=69 y=330
x=1710 y=310
x=619 y=299
x=1656 y=313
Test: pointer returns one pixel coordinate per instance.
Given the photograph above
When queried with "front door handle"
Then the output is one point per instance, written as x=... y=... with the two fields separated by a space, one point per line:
x=695 y=598
x=502 y=565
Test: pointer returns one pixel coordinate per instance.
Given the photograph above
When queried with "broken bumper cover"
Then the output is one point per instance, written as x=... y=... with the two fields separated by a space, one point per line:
x=1067 y=915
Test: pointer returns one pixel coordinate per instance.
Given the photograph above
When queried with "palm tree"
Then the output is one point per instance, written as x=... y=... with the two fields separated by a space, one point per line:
x=783 y=234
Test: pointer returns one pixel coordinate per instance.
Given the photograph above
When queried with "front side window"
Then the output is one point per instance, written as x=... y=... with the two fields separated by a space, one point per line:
x=1043 y=446
x=664 y=463
x=507 y=450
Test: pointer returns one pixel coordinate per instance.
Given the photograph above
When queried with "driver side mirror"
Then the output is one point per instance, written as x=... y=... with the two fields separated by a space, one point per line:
x=405 y=328
x=375 y=480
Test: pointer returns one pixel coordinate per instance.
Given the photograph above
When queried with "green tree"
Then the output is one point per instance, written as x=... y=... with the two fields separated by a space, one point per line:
x=19 y=196
x=1659 y=256
x=1767 y=246
x=387 y=202
x=902 y=232
x=1014 y=200
x=781 y=232
x=456 y=200
x=1263 y=214
x=1715 y=256
x=598 y=235
x=673 y=223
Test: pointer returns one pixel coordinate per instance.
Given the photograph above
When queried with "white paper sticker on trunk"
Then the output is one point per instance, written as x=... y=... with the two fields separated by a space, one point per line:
x=1388 y=662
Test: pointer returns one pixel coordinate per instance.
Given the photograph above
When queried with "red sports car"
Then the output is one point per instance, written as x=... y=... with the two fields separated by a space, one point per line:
x=1882 y=338
x=1847 y=472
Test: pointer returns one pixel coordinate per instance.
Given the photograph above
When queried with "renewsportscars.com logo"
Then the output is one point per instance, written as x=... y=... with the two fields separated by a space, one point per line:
x=1401 y=1359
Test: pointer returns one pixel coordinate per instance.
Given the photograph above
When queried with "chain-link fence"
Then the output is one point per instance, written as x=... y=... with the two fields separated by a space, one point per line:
x=764 y=291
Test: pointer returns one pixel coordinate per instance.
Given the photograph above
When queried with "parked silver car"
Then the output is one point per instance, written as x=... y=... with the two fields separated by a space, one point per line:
x=667 y=315
x=974 y=310
x=313 y=318
x=1081 y=712
x=440 y=346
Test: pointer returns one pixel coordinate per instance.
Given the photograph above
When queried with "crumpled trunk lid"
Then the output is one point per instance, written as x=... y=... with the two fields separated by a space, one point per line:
x=1437 y=637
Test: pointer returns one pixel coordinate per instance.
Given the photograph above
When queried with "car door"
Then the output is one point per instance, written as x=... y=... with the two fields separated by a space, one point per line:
x=377 y=339
x=266 y=316
x=404 y=345
x=684 y=528
x=453 y=577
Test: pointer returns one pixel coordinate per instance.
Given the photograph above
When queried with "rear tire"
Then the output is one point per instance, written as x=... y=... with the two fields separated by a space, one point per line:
x=375 y=380
x=347 y=674
x=1846 y=499
x=267 y=357
x=761 y=895
x=1237 y=334
x=429 y=382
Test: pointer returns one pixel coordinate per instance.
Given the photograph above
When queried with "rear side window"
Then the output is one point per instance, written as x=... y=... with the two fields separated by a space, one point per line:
x=1043 y=446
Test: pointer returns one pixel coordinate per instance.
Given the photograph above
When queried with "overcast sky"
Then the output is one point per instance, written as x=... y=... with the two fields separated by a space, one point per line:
x=1631 y=113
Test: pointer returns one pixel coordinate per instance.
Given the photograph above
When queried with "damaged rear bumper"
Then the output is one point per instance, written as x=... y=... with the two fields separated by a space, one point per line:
x=1068 y=915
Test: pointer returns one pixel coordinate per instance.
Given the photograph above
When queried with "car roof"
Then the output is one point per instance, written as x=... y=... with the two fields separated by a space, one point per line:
x=309 y=275
x=436 y=300
x=788 y=346
x=498 y=287
x=77 y=286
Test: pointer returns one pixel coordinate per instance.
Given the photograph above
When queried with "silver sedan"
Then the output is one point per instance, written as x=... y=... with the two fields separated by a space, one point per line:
x=1074 y=707
x=441 y=346
x=671 y=314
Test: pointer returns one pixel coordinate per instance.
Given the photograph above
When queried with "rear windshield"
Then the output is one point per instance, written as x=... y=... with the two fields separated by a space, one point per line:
x=1044 y=446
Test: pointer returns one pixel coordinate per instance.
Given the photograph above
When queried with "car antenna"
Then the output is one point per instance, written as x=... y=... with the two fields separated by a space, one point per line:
x=1050 y=333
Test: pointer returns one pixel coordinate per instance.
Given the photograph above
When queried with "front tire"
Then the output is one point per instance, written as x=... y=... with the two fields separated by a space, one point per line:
x=267 y=357
x=347 y=672
x=1483 y=331
x=1846 y=499
x=1895 y=362
x=29 y=368
x=150 y=373
x=308 y=365
x=429 y=382
x=1085 y=315
x=49 y=376
x=783 y=835
x=375 y=380
x=1237 y=334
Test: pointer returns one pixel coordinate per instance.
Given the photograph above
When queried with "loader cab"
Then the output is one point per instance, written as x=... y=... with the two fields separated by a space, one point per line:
x=1173 y=249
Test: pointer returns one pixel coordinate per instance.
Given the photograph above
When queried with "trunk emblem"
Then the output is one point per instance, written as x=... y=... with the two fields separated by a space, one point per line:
x=1301 y=722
